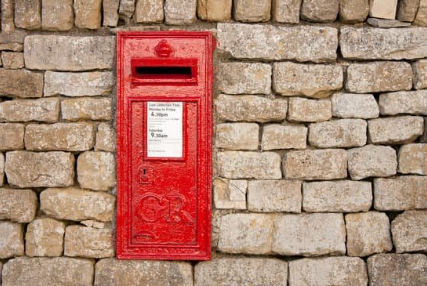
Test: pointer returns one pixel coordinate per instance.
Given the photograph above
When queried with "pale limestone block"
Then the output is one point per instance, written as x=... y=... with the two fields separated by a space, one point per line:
x=96 y=170
x=252 y=10
x=420 y=72
x=413 y=159
x=354 y=10
x=21 y=83
x=7 y=9
x=383 y=9
x=14 y=47
x=286 y=11
x=86 y=108
x=27 y=14
x=88 y=14
x=105 y=138
x=320 y=10
x=395 y=130
x=11 y=136
x=11 y=240
x=44 y=237
x=421 y=17
x=230 y=194
x=18 y=205
x=410 y=231
x=404 y=102
x=13 y=61
x=309 y=110
x=180 y=12
x=276 y=136
x=353 y=105
x=149 y=11
x=407 y=10
x=88 y=242
x=43 y=109
x=57 y=15
x=214 y=10
x=237 y=136
x=110 y=10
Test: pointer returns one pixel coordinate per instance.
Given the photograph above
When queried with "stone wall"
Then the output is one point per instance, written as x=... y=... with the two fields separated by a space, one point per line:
x=320 y=142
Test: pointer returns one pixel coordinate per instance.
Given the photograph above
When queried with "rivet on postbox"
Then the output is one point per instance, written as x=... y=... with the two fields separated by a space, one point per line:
x=164 y=130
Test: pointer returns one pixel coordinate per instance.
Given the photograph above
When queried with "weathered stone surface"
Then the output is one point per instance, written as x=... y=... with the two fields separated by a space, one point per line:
x=252 y=10
x=237 y=136
x=400 y=193
x=387 y=44
x=320 y=10
x=353 y=105
x=14 y=47
x=110 y=9
x=420 y=72
x=12 y=241
x=410 y=231
x=180 y=12
x=150 y=11
x=274 y=196
x=61 y=271
x=246 y=233
x=316 y=81
x=21 y=83
x=7 y=7
x=354 y=10
x=309 y=110
x=421 y=17
x=88 y=242
x=96 y=170
x=407 y=10
x=29 y=169
x=86 y=108
x=214 y=10
x=77 y=204
x=12 y=60
x=395 y=130
x=413 y=159
x=105 y=138
x=59 y=136
x=315 y=164
x=284 y=137
x=424 y=138
x=387 y=23
x=404 y=102
x=18 y=205
x=44 y=237
x=27 y=14
x=126 y=9
x=57 y=15
x=250 y=108
x=1 y=169
x=110 y=272
x=69 y=53
x=245 y=78
x=337 y=196
x=88 y=14
x=230 y=194
x=43 y=109
x=241 y=271
x=378 y=77
x=383 y=9
x=367 y=233
x=397 y=269
x=267 y=42
x=11 y=136
x=338 y=133
x=78 y=84
x=242 y=165
x=371 y=161
x=309 y=234
x=286 y=11
x=328 y=271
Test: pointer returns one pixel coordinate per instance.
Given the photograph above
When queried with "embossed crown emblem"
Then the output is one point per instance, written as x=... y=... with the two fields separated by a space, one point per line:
x=163 y=49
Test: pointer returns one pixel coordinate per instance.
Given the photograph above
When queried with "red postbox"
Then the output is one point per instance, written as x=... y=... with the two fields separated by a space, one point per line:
x=164 y=131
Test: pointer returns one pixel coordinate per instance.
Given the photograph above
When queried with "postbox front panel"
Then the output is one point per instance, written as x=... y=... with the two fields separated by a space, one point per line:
x=164 y=123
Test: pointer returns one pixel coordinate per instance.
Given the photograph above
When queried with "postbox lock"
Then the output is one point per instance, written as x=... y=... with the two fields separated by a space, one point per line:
x=163 y=49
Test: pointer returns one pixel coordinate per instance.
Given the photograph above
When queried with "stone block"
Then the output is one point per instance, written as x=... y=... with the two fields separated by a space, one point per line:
x=96 y=170
x=7 y=24
x=230 y=194
x=400 y=193
x=126 y=9
x=78 y=84
x=110 y=272
x=69 y=53
x=274 y=196
x=149 y=11
x=421 y=17
x=88 y=242
x=43 y=109
x=371 y=161
x=77 y=204
x=247 y=271
x=317 y=81
x=404 y=102
x=320 y=10
x=14 y=47
x=309 y=110
x=246 y=233
x=379 y=77
x=252 y=10
x=246 y=165
x=413 y=159
x=12 y=60
x=45 y=237
x=21 y=83
x=308 y=165
x=88 y=14
x=385 y=9
x=354 y=10
x=245 y=78
x=286 y=11
x=12 y=241
x=328 y=271
x=87 y=108
x=284 y=137
x=237 y=136
x=353 y=105
x=18 y=205
x=1 y=169
x=337 y=196
x=110 y=10
x=342 y=133
x=309 y=234
x=395 y=130
x=386 y=23
x=26 y=271
x=11 y=136
x=420 y=72
x=367 y=233
x=250 y=108
x=410 y=231
x=30 y=169
x=407 y=10
x=27 y=14
x=57 y=15
x=214 y=10
x=105 y=138
x=268 y=42
x=180 y=12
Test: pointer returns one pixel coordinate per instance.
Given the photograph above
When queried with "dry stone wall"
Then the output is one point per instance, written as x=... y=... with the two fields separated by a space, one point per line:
x=320 y=147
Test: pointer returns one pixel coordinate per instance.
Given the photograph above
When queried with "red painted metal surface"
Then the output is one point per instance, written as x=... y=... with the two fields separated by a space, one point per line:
x=164 y=203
